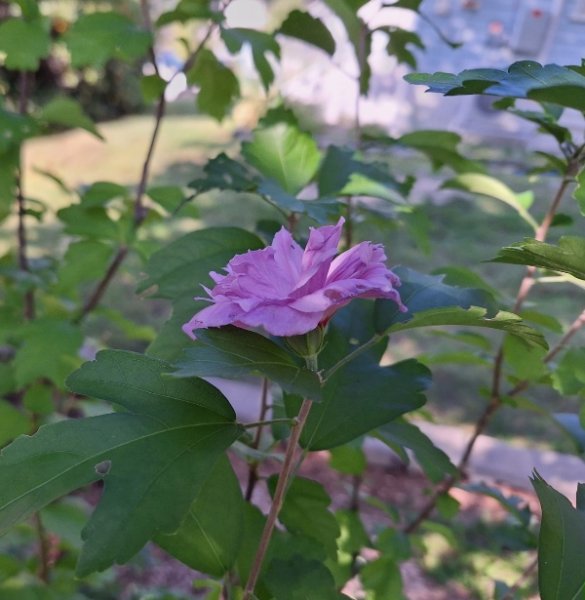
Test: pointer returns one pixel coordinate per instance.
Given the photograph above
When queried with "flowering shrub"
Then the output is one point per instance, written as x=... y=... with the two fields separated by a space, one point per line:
x=147 y=428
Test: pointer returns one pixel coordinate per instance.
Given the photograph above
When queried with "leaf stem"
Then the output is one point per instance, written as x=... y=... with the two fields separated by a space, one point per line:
x=280 y=492
x=261 y=424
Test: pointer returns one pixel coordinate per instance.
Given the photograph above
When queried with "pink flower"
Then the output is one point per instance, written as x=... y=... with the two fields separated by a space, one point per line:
x=289 y=291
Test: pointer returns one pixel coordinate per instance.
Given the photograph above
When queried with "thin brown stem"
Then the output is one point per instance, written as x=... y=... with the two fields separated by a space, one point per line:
x=278 y=498
x=253 y=468
x=509 y=595
x=44 y=570
x=496 y=395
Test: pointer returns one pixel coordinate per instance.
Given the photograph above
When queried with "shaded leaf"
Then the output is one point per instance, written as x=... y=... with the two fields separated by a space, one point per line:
x=434 y=462
x=561 y=553
x=12 y=423
x=224 y=173
x=381 y=579
x=232 y=352
x=208 y=540
x=567 y=257
x=152 y=87
x=305 y=27
x=523 y=79
x=399 y=42
x=218 y=86
x=186 y=10
x=569 y=375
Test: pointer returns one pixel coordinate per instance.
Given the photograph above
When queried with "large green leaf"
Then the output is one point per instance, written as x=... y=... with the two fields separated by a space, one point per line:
x=99 y=36
x=305 y=512
x=284 y=153
x=478 y=183
x=208 y=540
x=154 y=456
x=305 y=27
x=567 y=257
x=561 y=552
x=181 y=267
x=25 y=43
x=362 y=396
x=218 y=86
x=69 y=113
x=260 y=44
x=525 y=79
x=233 y=353
x=434 y=462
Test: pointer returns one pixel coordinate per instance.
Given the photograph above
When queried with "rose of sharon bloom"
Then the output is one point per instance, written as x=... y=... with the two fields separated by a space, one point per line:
x=290 y=291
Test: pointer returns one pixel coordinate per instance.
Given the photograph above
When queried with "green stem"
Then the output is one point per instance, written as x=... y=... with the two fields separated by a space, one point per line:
x=269 y=422
x=281 y=488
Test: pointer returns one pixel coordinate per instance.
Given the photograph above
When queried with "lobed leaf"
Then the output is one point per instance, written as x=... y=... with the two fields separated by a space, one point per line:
x=303 y=26
x=567 y=257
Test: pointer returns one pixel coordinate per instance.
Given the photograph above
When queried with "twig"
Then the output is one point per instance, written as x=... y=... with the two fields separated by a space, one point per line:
x=44 y=571
x=253 y=469
x=509 y=595
x=23 y=264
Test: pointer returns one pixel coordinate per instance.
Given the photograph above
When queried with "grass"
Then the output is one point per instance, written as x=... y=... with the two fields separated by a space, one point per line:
x=463 y=232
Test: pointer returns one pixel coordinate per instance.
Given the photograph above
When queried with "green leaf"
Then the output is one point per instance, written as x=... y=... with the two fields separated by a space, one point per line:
x=208 y=540
x=89 y=221
x=284 y=153
x=384 y=394
x=299 y=578
x=154 y=457
x=421 y=292
x=441 y=149
x=49 y=350
x=524 y=363
x=569 y=376
x=303 y=26
x=478 y=183
x=524 y=79
x=305 y=512
x=224 y=173
x=69 y=113
x=233 y=353
x=181 y=267
x=472 y=317
x=39 y=399
x=30 y=9
x=567 y=257
x=100 y=193
x=399 y=42
x=342 y=174
x=186 y=10
x=381 y=579
x=84 y=261
x=579 y=192
x=218 y=86
x=260 y=44
x=97 y=37
x=12 y=423
x=515 y=505
x=349 y=459
x=172 y=199
x=561 y=553
x=25 y=43
x=434 y=462
x=152 y=87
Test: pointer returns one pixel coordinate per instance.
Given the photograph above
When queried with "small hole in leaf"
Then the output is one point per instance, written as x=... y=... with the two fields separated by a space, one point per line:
x=103 y=468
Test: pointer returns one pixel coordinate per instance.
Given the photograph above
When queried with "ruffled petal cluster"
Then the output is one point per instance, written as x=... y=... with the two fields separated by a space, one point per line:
x=288 y=291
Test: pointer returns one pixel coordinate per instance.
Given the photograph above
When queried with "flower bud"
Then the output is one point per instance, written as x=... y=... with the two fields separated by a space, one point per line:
x=309 y=344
